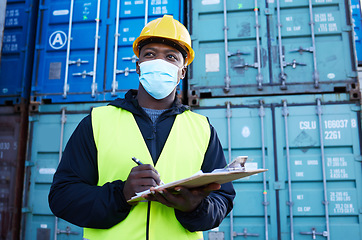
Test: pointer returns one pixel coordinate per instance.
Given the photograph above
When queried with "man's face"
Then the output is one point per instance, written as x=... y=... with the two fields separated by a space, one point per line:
x=165 y=52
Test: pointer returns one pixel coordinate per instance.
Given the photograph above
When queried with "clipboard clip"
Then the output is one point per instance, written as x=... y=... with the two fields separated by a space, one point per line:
x=238 y=164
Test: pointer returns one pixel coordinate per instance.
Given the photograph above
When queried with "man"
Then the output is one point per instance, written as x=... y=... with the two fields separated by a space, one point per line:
x=97 y=176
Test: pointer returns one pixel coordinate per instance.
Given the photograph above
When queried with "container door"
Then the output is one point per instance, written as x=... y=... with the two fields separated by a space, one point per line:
x=357 y=26
x=50 y=131
x=128 y=18
x=319 y=163
x=71 y=44
x=230 y=42
x=247 y=131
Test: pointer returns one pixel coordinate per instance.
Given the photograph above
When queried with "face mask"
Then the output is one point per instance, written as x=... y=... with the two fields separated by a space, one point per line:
x=158 y=77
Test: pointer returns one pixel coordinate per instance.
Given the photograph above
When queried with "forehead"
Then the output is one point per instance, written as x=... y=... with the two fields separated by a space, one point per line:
x=160 y=47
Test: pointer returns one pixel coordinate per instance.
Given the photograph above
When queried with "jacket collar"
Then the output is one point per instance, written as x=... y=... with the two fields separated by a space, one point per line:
x=130 y=103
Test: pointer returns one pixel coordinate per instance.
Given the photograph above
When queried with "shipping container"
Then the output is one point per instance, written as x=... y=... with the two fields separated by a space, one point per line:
x=17 y=51
x=50 y=128
x=357 y=26
x=311 y=145
x=13 y=132
x=84 y=48
x=271 y=47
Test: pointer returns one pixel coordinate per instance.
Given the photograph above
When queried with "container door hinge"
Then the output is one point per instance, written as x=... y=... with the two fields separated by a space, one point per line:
x=25 y=210
x=279 y=185
x=347 y=28
x=358 y=158
x=355 y=108
x=33 y=118
x=29 y=164
x=352 y=74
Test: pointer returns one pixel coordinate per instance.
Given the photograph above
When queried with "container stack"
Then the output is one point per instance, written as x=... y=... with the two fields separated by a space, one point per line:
x=15 y=79
x=278 y=80
x=83 y=59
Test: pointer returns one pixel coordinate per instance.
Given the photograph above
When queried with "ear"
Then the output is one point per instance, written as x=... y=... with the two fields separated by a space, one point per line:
x=183 y=72
x=138 y=70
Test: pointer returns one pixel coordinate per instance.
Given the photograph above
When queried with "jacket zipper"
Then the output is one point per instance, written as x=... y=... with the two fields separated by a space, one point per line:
x=153 y=157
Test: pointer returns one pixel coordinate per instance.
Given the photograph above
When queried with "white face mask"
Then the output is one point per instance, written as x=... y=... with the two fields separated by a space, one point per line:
x=158 y=77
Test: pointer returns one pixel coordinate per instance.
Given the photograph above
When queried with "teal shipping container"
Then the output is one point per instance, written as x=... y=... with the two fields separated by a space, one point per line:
x=50 y=127
x=271 y=47
x=311 y=145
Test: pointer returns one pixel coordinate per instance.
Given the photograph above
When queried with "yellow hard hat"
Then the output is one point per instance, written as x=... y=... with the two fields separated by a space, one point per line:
x=169 y=29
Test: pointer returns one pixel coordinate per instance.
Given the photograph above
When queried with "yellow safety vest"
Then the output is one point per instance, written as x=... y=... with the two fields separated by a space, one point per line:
x=118 y=139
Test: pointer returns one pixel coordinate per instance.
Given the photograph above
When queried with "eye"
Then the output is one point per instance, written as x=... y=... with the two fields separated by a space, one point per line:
x=148 y=54
x=172 y=57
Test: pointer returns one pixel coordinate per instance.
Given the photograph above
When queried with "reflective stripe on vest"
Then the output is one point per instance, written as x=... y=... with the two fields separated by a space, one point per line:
x=118 y=139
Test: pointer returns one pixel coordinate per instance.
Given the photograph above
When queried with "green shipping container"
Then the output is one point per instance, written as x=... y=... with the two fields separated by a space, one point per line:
x=311 y=145
x=50 y=128
x=265 y=47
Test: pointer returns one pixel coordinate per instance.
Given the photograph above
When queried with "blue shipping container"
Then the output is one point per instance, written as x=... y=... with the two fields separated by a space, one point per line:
x=271 y=47
x=17 y=51
x=311 y=145
x=357 y=26
x=84 y=48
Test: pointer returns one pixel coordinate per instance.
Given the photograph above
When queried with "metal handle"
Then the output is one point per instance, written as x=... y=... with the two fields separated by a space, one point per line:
x=246 y=234
x=294 y=64
x=84 y=74
x=78 y=62
x=67 y=231
x=126 y=71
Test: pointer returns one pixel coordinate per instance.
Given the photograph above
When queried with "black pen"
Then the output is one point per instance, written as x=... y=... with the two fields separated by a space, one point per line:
x=138 y=162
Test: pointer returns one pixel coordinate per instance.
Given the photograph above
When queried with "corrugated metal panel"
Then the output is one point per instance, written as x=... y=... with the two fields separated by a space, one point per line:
x=17 y=51
x=357 y=26
x=12 y=155
x=50 y=128
x=271 y=47
x=312 y=147
x=78 y=71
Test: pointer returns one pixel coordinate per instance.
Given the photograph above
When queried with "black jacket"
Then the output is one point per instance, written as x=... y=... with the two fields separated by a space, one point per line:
x=75 y=197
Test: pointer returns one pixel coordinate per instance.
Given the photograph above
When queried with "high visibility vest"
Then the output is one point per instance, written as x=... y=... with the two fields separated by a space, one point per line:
x=118 y=139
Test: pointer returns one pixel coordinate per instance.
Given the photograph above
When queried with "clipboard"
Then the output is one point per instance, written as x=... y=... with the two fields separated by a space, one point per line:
x=234 y=170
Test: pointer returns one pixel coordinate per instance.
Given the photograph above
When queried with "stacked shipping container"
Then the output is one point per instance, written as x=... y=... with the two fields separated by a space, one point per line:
x=278 y=80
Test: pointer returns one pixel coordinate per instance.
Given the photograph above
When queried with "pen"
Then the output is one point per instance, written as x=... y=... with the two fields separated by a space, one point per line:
x=138 y=162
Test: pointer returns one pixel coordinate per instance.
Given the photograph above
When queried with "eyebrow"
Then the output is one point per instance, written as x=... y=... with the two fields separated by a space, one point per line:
x=168 y=50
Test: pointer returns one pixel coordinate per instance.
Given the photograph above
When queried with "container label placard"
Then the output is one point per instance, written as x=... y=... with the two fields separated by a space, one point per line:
x=212 y=62
x=210 y=2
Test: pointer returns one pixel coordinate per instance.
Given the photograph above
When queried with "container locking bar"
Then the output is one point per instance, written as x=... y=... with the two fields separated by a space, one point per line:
x=116 y=36
x=282 y=75
x=245 y=234
x=290 y=203
x=227 y=76
x=265 y=202
x=315 y=72
x=66 y=85
x=321 y=136
x=67 y=231
x=63 y=120
x=97 y=37
x=78 y=62
x=314 y=233
x=228 y=117
x=259 y=76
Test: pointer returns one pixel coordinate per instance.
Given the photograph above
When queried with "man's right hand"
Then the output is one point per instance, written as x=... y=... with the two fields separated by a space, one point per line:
x=141 y=178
